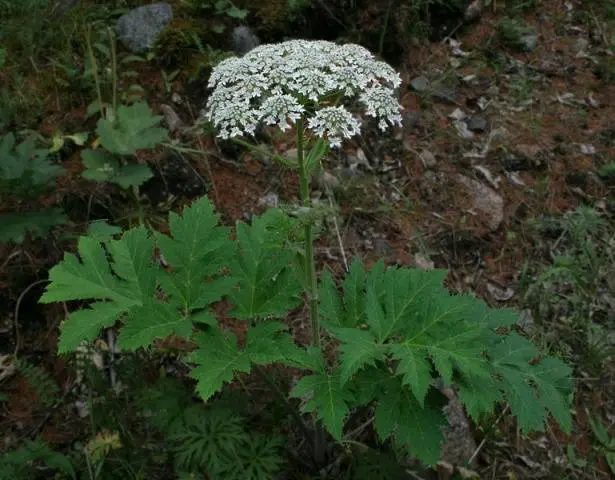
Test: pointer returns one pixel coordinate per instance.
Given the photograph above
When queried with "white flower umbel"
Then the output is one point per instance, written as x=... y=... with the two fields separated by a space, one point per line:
x=317 y=81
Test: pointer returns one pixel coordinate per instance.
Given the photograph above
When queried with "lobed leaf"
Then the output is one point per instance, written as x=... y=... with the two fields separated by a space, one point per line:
x=133 y=128
x=324 y=395
x=263 y=268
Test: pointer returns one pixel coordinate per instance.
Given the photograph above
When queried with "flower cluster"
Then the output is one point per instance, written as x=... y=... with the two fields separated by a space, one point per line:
x=280 y=83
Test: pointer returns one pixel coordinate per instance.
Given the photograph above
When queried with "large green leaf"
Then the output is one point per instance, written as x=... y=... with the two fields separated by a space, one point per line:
x=417 y=428
x=120 y=276
x=324 y=395
x=126 y=284
x=218 y=359
x=132 y=128
x=197 y=248
x=267 y=285
x=532 y=388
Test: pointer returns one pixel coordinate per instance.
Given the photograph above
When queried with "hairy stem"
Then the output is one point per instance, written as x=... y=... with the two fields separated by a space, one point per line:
x=310 y=272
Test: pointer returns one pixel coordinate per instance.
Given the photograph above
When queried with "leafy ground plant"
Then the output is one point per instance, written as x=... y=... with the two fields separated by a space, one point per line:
x=398 y=330
x=25 y=172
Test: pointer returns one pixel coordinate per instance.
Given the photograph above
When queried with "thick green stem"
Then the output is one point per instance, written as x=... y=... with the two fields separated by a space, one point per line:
x=310 y=264
x=310 y=272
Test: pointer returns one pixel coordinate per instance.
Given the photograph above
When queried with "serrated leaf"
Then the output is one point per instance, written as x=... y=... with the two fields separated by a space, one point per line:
x=532 y=388
x=354 y=296
x=330 y=303
x=219 y=359
x=197 y=249
x=368 y=384
x=358 y=350
x=87 y=323
x=324 y=395
x=14 y=227
x=152 y=321
x=268 y=343
x=263 y=268
x=134 y=128
x=479 y=395
x=126 y=285
x=414 y=369
x=417 y=428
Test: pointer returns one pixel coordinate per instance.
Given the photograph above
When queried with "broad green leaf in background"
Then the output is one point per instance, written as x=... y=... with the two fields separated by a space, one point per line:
x=15 y=226
x=134 y=127
x=103 y=167
x=24 y=167
x=263 y=268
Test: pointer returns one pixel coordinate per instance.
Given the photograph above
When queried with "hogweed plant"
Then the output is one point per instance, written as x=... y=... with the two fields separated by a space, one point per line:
x=398 y=331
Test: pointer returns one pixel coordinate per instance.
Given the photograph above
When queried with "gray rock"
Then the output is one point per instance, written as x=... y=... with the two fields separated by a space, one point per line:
x=476 y=123
x=420 y=84
x=529 y=42
x=243 y=40
x=486 y=200
x=171 y=118
x=137 y=30
x=428 y=159
x=270 y=200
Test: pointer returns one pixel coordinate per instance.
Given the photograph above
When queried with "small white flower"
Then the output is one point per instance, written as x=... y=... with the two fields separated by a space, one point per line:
x=278 y=109
x=336 y=123
x=279 y=83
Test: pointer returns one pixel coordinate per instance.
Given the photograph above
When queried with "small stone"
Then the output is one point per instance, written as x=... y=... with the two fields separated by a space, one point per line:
x=137 y=30
x=486 y=200
x=420 y=84
x=428 y=159
x=587 y=149
x=476 y=123
x=422 y=262
x=171 y=118
x=529 y=42
x=581 y=45
x=499 y=293
x=592 y=102
x=327 y=181
x=270 y=200
x=474 y=11
x=291 y=153
x=244 y=40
